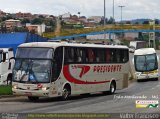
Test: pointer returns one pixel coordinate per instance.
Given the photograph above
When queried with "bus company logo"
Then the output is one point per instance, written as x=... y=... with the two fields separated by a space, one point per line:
x=147 y=103
x=84 y=69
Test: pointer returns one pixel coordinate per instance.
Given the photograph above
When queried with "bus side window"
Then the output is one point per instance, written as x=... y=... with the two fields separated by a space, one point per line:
x=84 y=55
x=125 y=56
x=91 y=55
x=113 y=56
x=69 y=55
x=118 y=56
x=57 y=62
x=100 y=55
x=108 y=56
x=78 y=55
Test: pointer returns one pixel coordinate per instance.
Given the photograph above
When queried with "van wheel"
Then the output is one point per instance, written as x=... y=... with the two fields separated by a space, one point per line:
x=156 y=79
x=33 y=99
x=66 y=93
x=9 y=80
x=112 y=87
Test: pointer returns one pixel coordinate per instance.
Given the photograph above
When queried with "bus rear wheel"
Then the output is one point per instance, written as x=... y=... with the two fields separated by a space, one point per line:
x=33 y=99
x=112 y=87
x=66 y=93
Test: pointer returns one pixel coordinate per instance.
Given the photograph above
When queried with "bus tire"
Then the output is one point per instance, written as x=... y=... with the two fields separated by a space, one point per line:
x=156 y=79
x=66 y=92
x=33 y=99
x=9 y=80
x=85 y=94
x=112 y=87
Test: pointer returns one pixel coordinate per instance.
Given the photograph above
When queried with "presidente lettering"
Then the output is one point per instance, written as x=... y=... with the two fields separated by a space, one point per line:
x=107 y=68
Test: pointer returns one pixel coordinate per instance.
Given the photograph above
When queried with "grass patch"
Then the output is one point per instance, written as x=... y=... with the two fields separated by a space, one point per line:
x=5 y=90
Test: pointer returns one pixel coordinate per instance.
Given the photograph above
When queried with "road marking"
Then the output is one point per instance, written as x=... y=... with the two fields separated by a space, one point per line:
x=10 y=103
x=152 y=88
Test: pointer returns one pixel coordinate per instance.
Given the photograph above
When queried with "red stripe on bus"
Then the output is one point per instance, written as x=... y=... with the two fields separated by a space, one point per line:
x=71 y=79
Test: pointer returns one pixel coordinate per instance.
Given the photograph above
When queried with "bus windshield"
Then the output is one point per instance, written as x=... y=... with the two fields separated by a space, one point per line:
x=34 y=71
x=33 y=65
x=146 y=62
x=35 y=53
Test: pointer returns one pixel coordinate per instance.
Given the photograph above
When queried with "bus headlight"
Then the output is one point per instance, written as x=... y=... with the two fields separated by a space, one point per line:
x=45 y=88
x=14 y=87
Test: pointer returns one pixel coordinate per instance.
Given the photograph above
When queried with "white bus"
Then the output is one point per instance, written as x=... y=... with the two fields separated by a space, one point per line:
x=64 y=69
x=146 y=64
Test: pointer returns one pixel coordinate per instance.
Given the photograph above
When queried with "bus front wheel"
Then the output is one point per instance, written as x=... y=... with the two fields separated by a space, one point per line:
x=9 y=80
x=66 y=93
x=33 y=99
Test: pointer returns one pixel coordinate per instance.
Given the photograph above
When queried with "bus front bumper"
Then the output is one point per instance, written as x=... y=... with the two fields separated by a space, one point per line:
x=146 y=76
x=30 y=93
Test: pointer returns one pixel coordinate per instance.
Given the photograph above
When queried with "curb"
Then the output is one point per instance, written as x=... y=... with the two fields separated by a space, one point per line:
x=6 y=96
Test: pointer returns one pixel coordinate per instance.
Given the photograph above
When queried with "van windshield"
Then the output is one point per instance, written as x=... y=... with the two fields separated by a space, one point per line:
x=146 y=62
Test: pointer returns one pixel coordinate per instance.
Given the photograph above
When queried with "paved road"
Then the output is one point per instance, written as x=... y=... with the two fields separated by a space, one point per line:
x=95 y=103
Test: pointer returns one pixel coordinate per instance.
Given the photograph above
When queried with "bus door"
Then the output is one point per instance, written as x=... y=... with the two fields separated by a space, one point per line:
x=56 y=70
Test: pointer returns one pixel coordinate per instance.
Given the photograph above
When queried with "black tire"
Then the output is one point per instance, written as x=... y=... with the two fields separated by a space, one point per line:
x=33 y=99
x=156 y=79
x=85 y=94
x=9 y=80
x=112 y=88
x=66 y=93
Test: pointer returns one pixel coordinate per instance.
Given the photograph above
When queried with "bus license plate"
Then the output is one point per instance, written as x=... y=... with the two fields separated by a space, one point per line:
x=28 y=93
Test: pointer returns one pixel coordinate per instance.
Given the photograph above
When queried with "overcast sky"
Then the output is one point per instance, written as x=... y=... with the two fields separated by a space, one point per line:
x=133 y=8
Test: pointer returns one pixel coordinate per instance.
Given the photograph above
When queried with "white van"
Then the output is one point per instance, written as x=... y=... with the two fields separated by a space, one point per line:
x=146 y=64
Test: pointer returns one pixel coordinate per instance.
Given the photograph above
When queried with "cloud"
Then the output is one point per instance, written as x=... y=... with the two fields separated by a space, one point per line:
x=133 y=8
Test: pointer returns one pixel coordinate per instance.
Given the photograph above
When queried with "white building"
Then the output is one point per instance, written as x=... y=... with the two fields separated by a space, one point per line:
x=66 y=15
x=96 y=19
x=39 y=29
x=131 y=36
x=102 y=37
x=11 y=23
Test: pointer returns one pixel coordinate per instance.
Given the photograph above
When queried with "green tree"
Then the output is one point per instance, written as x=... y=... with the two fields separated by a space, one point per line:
x=9 y=16
x=146 y=22
x=102 y=21
x=20 y=29
x=111 y=20
x=24 y=21
x=3 y=28
x=156 y=21
x=3 y=18
x=37 y=21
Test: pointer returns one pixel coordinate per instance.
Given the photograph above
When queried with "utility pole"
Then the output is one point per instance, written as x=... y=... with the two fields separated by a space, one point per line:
x=104 y=18
x=152 y=35
x=121 y=20
x=121 y=12
x=104 y=12
x=113 y=10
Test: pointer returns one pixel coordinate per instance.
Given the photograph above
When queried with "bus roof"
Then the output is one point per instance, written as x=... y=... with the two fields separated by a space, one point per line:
x=58 y=44
x=144 y=51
